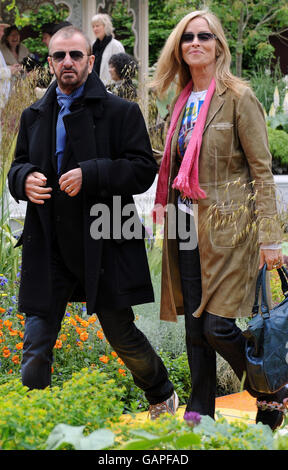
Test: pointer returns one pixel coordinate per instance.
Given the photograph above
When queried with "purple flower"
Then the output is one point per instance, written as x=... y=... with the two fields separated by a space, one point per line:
x=192 y=418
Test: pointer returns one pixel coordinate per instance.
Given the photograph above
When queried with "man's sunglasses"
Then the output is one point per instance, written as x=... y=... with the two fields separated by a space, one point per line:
x=202 y=37
x=59 y=56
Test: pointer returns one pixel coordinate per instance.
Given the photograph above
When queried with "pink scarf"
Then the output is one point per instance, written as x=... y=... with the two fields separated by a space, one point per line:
x=187 y=180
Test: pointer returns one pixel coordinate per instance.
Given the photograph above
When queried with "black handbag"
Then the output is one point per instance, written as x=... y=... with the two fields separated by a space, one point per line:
x=267 y=339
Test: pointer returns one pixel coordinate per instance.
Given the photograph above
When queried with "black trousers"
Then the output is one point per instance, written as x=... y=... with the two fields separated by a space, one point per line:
x=131 y=345
x=207 y=335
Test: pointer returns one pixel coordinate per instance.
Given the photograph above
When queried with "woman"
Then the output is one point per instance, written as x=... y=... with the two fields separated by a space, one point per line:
x=13 y=51
x=104 y=46
x=223 y=173
x=122 y=69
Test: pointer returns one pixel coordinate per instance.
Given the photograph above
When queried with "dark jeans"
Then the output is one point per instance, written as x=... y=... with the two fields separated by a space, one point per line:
x=207 y=335
x=132 y=346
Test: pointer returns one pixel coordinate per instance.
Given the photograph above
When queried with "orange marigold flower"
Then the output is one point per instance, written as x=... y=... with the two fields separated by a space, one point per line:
x=52 y=369
x=21 y=334
x=6 y=352
x=100 y=334
x=104 y=359
x=84 y=323
x=19 y=316
x=10 y=371
x=2 y=310
x=15 y=359
x=84 y=336
x=7 y=323
x=63 y=337
x=92 y=319
x=13 y=332
x=114 y=354
x=120 y=361
x=122 y=372
x=58 y=344
x=19 y=346
x=72 y=321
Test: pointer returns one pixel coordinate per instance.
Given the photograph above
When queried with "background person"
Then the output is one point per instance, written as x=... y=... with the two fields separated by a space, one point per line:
x=14 y=52
x=73 y=152
x=105 y=45
x=122 y=69
x=47 y=32
x=6 y=73
x=219 y=148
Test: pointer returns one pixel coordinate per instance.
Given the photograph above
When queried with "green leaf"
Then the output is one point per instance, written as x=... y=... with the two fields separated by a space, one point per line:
x=142 y=433
x=97 y=440
x=186 y=440
x=65 y=434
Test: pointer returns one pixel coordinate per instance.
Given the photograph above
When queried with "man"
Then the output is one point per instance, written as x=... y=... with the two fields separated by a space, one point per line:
x=68 y=163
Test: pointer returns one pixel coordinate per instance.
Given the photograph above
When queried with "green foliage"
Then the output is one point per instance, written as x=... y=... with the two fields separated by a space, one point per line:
x=46 y=13
x=170 y=433
x=89 y=399
x=237 y=435
x=122 y=22
x=278 y=143
x=63 y=434
x=264 y=83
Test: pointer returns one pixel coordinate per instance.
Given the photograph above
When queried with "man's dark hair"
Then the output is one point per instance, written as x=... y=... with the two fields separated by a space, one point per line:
x=48 y=28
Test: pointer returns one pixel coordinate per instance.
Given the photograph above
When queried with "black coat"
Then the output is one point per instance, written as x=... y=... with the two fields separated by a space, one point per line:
x=108 y=139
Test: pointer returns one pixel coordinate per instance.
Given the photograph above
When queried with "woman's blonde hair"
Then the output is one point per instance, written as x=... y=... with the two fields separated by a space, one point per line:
x=106 y=20
x=171 y=66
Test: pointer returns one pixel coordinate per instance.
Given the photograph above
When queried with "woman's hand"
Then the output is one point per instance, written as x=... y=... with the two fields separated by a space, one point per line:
x=273 y=258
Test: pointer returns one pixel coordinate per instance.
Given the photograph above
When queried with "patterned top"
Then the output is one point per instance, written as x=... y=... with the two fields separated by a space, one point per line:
x=193 y=106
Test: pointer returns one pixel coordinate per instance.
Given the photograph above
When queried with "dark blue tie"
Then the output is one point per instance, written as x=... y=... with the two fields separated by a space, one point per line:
x=65 y=102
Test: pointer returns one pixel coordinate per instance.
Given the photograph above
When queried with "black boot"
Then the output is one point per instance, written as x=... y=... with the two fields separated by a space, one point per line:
x=269 y=408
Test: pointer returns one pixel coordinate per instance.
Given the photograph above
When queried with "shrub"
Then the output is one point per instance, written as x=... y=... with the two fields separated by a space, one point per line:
x=172 y=433
x=90 y=398
x=278 y=143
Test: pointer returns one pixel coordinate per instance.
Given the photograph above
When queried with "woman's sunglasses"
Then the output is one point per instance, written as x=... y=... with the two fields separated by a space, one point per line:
x=59 y=56
x=202 y=37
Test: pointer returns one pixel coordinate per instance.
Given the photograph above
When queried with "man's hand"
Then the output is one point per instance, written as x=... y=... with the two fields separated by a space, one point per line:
x=35 y=188
x=71 y=182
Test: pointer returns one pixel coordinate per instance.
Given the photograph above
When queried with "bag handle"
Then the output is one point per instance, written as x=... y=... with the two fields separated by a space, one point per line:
x=261 y=283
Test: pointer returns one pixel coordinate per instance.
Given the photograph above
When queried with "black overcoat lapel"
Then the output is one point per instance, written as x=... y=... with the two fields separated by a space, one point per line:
x=81 y=135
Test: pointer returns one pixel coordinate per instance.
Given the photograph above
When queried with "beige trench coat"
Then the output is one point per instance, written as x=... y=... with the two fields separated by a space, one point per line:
x=239 y=211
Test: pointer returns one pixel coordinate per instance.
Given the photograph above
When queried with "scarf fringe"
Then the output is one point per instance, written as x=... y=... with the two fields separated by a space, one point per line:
x=182 y=183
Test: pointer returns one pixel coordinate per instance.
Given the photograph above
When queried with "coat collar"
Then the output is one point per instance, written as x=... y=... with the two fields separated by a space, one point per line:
x=215 y=106
x=94 y=90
